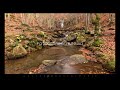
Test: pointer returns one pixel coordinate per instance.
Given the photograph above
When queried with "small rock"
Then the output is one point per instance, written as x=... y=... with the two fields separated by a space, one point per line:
x=49 y=62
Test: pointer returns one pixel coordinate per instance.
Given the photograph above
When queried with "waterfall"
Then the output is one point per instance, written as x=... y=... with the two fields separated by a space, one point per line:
x=62 y=23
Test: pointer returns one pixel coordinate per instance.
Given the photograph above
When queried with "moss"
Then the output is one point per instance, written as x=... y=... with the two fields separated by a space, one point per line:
x=25 y=25
x=33 y=35
x=19 y=38
x=38 y=47
x=97 y=42
x=110 y=65
x=95 y=22
x=108 y=62
x=97 y=49
x=41 y=34
x=81 y=38
x=100 y=55
x=103 y=57
x=34 y=43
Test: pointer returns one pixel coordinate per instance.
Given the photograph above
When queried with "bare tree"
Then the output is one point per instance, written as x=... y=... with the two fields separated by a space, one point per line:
x=87 y=21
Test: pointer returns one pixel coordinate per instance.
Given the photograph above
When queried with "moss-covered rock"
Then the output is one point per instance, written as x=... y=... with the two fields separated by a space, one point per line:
x=71 y=37
x=35 y=43
x=17 y=52
x=81 y=38
x=20 y=37
x=32 y=44
x=58 y=34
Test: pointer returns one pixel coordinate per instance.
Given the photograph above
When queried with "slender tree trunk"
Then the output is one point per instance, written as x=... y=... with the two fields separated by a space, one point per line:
x=87 y=22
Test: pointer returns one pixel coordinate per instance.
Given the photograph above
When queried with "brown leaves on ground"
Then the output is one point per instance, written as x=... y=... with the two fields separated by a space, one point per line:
x=109 y=42
x=107 y=48
x=88 y=54
x=39 y=70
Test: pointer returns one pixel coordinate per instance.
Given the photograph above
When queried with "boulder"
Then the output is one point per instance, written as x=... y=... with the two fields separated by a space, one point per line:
x=18 y=52
x=76 y=59
x=49 y=62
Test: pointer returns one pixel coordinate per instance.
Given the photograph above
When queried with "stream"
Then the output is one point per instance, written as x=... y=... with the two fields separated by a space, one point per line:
x=33 y=60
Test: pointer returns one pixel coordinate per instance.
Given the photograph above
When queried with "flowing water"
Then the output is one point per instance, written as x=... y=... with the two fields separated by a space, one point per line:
x=33 y=60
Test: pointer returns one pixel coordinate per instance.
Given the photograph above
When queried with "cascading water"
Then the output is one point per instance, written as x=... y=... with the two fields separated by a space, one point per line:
x=62 y=23
x=67 y=69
